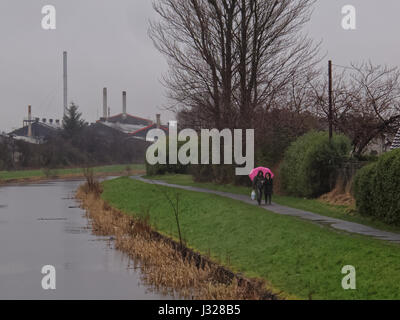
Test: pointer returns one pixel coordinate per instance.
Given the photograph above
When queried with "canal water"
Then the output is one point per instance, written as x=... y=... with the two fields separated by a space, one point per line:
x=41 y=224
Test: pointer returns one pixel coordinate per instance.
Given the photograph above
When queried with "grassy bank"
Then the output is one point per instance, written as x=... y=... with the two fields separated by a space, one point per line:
x=33 y=175
x=165 y=266
x=296 y=258
x=312 y=205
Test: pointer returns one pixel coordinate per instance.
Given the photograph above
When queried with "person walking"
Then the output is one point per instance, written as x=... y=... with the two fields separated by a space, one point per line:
x=268 y=188
x=258 y=186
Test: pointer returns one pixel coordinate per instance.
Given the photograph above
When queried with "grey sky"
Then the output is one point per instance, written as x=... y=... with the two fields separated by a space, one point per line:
x=108 y=46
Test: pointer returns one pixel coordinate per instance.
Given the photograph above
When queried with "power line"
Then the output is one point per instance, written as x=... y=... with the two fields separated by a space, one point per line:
x=344 y=67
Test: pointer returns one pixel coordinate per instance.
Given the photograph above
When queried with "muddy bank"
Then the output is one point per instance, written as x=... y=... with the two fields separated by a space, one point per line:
x=182 y=273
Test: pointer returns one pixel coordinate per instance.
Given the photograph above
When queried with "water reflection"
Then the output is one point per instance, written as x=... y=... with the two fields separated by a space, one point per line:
x=40 y=224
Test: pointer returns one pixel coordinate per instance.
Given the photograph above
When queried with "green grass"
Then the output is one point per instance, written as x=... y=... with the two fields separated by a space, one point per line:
x=312 y=205
x=26 y=174
x=298 y=258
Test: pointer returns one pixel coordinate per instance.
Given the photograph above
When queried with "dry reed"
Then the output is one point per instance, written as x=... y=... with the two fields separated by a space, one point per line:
x=164 y=266
x=341 y=194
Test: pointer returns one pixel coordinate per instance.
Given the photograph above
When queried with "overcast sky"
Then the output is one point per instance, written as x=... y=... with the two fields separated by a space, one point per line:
x=108 y=46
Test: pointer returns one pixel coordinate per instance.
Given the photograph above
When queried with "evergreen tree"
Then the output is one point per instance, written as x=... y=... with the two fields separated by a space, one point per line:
x=72 y=121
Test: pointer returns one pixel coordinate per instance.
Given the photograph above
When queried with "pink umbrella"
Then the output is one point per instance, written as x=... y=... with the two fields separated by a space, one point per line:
x=255 y=172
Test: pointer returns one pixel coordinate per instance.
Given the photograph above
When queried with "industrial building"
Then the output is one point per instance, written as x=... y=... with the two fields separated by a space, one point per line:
x=133 y=126
x=37 y=130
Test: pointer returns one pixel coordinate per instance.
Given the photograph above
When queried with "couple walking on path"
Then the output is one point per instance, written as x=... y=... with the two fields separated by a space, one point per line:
x=263 y=184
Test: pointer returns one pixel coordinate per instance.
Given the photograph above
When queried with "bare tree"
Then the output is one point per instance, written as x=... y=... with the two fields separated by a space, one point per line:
x=230 y=58
x=366 y=102
x=272 y=51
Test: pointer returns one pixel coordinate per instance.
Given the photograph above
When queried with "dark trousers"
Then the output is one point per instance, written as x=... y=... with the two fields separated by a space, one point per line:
x=268 y=197
x=259 y=193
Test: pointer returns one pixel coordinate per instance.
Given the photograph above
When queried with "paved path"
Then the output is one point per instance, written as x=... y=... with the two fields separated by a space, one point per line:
x=323 y=220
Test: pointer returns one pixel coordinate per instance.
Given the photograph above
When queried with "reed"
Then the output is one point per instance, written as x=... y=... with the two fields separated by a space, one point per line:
x=165 y=267
x=92 y=184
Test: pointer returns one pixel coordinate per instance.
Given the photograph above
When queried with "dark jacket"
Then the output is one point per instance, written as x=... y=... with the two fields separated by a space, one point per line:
x=258 y=183
x=269 y=186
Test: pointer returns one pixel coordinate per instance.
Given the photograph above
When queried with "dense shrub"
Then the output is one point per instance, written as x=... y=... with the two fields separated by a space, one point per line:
x=6 y=162
x=311 y=164
x=97 y=145
x=161 y=169
x=217 y=173
x=377 y=188
x=220 y=174
x=275 y=129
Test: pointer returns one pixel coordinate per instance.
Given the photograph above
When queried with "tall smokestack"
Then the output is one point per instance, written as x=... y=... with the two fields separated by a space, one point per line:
x=105 y=109
x=29 y=121
x=158 y=121
x=65 y=76
x=124 y=102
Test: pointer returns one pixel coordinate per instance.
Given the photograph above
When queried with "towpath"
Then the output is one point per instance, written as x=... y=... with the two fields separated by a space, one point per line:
x=338 y=224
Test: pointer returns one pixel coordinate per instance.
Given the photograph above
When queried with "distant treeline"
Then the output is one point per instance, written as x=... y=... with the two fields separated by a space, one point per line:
x=92 y=145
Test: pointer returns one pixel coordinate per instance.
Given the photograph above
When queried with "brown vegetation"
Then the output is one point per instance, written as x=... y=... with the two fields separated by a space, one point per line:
x=341 y=195
x=92 y=185
x=165 y=266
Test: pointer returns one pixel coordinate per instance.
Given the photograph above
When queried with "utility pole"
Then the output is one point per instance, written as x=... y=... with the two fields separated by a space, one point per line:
x=330 y=116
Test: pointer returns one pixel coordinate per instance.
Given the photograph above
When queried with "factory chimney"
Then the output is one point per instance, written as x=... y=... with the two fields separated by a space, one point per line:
x=29 y=121
x=158 y=121
x=65 y=76
x=105 y=108
x=124 y=103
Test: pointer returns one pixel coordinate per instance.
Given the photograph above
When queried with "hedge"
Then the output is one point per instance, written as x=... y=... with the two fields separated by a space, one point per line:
x=161 y=169
x=311 y=164
x=377 y=188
